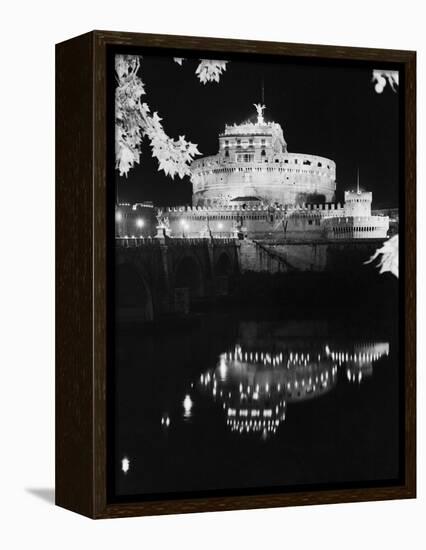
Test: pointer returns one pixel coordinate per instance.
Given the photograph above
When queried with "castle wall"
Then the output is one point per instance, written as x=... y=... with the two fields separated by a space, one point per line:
x=366 y=227
x=256 y=222
x=284 y=178
x=137 y=220
x=393 y=215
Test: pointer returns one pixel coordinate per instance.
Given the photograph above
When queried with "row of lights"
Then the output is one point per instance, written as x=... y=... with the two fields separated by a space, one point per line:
x=249 y=426
x=323 y=381
x=140 y=222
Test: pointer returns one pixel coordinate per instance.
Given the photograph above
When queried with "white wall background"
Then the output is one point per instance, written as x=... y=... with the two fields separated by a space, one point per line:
x=29 y=31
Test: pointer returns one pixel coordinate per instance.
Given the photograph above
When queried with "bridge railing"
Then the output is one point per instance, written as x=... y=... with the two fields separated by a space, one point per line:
x=185 y=241
x=136 y=242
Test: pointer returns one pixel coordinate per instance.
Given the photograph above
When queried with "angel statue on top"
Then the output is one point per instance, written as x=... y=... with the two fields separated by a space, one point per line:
x=259 y=108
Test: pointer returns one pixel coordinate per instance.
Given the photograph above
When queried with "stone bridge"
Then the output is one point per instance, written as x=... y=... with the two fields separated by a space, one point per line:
x=155 y=277
x=274 y=256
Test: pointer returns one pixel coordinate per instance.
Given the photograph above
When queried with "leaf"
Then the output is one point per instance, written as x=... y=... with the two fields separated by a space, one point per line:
x=210 y=70
x=381 y=78
x=389 y=253
x=133 y=121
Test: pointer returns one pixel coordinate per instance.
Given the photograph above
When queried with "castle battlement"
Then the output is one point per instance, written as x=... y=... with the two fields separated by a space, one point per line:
x=290 y=208
x=291 y=162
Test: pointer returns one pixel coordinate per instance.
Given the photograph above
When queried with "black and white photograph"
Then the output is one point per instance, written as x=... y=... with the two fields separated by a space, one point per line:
x=213 y=221
x=257 y=327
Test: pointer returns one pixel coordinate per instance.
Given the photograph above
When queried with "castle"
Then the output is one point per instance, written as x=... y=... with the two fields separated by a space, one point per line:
x=253 y=165
x=254 y=188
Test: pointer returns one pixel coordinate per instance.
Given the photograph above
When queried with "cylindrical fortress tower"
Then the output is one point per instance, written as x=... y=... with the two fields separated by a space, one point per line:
x=358 y=203
x=253 y=163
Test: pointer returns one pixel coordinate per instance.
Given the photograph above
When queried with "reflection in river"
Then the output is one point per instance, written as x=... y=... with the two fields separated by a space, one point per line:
x=226 y=403
x=254 y=387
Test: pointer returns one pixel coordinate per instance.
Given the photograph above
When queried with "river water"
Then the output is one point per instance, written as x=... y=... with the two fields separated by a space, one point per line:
x=222 y=403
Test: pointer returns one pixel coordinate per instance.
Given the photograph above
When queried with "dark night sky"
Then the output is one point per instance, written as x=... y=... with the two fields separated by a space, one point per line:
x=325 y=110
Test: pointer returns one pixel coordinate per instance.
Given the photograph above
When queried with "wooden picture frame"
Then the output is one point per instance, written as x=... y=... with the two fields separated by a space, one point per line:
x=82 y=276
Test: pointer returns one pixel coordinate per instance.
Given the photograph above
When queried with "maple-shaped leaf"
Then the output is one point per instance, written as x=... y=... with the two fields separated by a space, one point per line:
x=209 y=70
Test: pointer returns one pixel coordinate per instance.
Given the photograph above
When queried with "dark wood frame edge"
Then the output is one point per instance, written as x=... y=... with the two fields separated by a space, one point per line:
x=81 y=276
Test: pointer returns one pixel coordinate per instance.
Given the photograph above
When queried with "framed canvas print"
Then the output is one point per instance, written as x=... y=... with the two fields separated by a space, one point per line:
x=235 y=276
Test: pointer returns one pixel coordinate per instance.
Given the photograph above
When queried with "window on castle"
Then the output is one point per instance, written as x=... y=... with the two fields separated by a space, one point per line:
x=263 y=153
x=248 y=157
x=308 y=162
x=319 y=164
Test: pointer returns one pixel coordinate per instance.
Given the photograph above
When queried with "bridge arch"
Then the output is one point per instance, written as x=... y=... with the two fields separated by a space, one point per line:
x=223 y=266
x=188 y=274
x=133 y=294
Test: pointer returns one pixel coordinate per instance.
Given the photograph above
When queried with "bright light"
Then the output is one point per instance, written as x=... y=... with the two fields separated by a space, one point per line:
x=125 y=464
x=187 y=405
x=183 y=223
x=223 y=369
x=220 y=226
x=140 y=222
x=118 y=216
x=165 y=421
